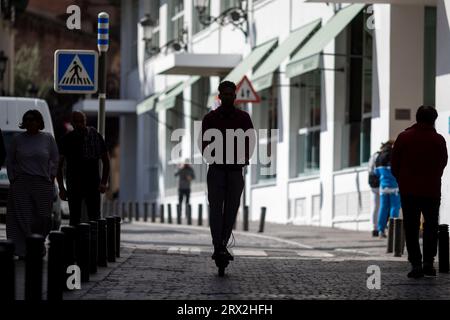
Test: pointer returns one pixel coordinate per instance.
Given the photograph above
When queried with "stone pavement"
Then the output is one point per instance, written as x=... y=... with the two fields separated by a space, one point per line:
x=162 y=261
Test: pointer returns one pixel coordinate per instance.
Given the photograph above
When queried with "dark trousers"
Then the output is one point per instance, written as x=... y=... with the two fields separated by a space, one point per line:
x=92 y=199
x=412 y=207
x=224 y=194
x=181 y=194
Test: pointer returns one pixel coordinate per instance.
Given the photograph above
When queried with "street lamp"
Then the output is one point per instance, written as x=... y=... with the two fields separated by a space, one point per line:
x=237 y=15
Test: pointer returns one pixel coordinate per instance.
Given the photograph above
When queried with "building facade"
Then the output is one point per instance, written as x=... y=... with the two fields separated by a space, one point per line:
x=335 y=81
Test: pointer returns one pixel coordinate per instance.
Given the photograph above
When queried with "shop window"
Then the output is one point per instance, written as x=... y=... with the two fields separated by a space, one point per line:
x=176 y=20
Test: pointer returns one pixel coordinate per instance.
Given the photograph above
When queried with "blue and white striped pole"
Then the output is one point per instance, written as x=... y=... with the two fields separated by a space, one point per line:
x=102 y=44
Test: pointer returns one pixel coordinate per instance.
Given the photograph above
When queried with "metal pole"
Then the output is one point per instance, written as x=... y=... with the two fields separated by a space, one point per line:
x=153 y=211
x=169 y=212
x=443 y=248
x=398 y=226
x=69 y=250
x=33 y=267
x=94 y=247
x=117 y=236
x=145 y=211
x=263 y=219
x=56 y=269
x=161 y=212
x=390 y=239
x=200 y=214
x=124 y=211
x=102 y=44
x=130 y=211
x=189 y=214
x=245 y=218
x=7 y=273
x=178 y=214
x=136 y=211
x=84 y=250
x=102 y=244
x=111 y=238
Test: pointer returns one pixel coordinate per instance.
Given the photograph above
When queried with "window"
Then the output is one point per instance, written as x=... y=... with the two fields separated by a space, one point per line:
x=176 y=20
x=267 y=118
x=429 y=84
x=196 y=25
x=356 y=137
x=227 y=4
x=308 y=135
x=153 y=44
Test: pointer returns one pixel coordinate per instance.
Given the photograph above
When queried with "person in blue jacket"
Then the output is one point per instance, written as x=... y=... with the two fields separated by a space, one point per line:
x=389 y=192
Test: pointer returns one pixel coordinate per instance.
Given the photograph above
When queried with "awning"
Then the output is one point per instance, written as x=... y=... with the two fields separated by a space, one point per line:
x=168 y=99
x=113 y=107
x=308 y=58
x=203 y=64
x=250 y=61
x=148 y=104
x=263 y=76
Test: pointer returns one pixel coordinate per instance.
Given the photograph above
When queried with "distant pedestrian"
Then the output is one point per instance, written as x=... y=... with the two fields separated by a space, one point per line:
x=185 y=176
x=32 y=165
x=389 y=193
x=81 y=150
x=418 y=161
x=225 y=177
x=374 y=183
x=2 y=150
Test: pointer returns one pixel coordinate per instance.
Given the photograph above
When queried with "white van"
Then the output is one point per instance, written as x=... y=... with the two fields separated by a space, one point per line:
x=11 y=113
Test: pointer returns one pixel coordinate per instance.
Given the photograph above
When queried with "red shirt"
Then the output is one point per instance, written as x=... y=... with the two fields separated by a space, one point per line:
x=221 y=119
x=418 y=160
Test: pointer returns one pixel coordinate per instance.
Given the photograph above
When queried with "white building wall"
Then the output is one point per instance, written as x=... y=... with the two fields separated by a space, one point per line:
x=443 y=96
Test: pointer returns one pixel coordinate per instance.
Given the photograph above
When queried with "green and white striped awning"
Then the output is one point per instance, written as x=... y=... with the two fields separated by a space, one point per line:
x=308 y=57
x=263 y=76
x=168 y=99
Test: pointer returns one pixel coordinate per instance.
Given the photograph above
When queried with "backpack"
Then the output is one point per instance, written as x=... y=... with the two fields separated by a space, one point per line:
x=374 y=181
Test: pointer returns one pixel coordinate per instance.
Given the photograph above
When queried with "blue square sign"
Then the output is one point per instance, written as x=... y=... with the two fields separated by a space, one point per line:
x=75 y=71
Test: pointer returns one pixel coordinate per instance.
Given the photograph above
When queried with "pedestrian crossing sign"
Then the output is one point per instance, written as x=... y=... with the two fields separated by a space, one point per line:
x=75 y=71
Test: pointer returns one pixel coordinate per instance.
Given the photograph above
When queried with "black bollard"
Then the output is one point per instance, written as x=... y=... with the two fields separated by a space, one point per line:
x=178 y=214
x=102 y=244
x=443 y=248
x=118 y=220
x=69 y=250
x=93 y=261
x=124 y=211
x=55 y=269
x=84 y=250
x=398 y=227
x=136 y=211
x=130 y=211
x=245 y=218
x=189 y=214
x=263 y=219
x=169 y=212
x=161 y=212
x=390 y=237
x=33 y=267
x=111 y=238
x=153 y=211
x=7 y=272
x=200 y=214
x=145 y=211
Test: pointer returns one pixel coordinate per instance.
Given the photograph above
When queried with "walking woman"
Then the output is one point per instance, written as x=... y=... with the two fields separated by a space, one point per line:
x=389 y=193
x=32 y=166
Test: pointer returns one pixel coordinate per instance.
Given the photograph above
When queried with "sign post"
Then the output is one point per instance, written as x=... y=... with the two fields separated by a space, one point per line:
x=102 y=44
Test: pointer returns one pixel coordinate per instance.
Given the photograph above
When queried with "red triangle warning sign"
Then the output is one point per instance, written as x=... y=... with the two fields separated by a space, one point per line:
x=245 y=92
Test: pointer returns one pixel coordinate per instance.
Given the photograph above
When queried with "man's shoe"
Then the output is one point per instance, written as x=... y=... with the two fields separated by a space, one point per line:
x=416 y=272
x=375 y=233
x=429 y=270
x=228 y=254
x=381 y=234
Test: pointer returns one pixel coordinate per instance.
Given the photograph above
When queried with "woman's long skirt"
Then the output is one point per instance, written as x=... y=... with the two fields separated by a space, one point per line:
x=29 y=210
